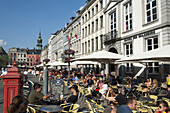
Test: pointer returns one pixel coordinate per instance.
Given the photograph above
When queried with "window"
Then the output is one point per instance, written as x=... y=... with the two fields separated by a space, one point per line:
x=92 y=11
x=101 y=22
x=89 y=29
x=89 y=14
x=27 y=59
x=85 y=47
x=89 y=46
x=151 y=10
x=128 y=49
x=101 y=4
x=101 y=38
x=83 y=33
x=92 y=41
x=129 y=67
x=82 y=48
x=113 y=24
x=96 y=8
x=153 y=67
x=128 y=16
x=152 y=43
x=85 y=17
x=24 y=55
x=92 y=27
x=96 y=43
x=96 y=24
x=128 y=53
x=82 y=20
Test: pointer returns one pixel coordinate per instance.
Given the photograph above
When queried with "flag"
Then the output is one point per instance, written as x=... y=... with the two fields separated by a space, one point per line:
x=75 y=35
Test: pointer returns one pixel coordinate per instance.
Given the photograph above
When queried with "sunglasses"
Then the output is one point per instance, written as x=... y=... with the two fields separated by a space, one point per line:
x=160 y=106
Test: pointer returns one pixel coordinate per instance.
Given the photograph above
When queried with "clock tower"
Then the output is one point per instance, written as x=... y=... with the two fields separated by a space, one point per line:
x=39 y=42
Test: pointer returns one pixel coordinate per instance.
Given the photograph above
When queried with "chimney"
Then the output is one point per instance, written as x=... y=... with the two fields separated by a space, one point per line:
x=78 y=12
x=66 y=25
x=72 y=18
x=88 y=1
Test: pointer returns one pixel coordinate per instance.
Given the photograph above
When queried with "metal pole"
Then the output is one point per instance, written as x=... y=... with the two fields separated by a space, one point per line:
x=45 y=83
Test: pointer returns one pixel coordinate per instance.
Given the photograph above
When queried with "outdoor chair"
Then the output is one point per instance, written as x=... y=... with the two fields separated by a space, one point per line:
x=73 y=108
x=31 y=109
x=155 y=100
x=167 y=100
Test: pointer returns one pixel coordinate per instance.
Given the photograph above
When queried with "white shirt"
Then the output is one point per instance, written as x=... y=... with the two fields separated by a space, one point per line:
x=104 y=89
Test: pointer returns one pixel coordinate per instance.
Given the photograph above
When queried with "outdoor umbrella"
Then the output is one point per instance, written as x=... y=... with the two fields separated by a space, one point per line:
x=57 y=63
x=100 y=56
x=83 y=63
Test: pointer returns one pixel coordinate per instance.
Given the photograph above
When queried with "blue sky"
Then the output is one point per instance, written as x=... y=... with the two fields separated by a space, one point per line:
x=22 y=20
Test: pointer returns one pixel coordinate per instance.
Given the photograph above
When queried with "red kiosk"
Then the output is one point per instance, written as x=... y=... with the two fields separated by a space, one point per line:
x=13 y=83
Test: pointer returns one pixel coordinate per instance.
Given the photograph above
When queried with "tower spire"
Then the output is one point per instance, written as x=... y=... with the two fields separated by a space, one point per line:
x=39 y=42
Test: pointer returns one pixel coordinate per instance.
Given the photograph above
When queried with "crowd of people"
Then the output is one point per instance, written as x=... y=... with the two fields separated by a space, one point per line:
x=108 y=87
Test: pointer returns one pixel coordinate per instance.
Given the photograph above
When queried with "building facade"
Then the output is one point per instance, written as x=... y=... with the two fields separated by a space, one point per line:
x=44 y=53
x=12 y=53
x=133 y=27
x=33 y=57
x=92 y=26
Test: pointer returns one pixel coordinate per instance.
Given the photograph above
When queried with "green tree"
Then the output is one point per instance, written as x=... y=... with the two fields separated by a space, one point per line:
x=4 y=61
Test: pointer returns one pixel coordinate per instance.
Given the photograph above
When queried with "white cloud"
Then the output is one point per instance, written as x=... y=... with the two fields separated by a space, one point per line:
x=2 y=43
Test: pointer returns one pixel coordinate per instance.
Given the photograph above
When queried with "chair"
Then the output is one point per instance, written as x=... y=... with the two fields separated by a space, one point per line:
x=167 y=100
x=31 y=109
x=155 y=99
x=90 y=107
x=73 y=108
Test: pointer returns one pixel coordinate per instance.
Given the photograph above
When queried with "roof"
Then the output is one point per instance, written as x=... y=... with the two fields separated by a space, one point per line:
x=34 y=51
x=2 y=51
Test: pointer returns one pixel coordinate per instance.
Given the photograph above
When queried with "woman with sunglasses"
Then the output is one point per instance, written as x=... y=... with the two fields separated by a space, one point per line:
x=163 y=107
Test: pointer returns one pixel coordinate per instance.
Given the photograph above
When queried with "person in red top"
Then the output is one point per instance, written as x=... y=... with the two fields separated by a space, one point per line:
x=162 y=108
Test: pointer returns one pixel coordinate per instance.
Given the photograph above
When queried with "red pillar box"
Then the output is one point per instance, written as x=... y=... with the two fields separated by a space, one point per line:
x=13 y=83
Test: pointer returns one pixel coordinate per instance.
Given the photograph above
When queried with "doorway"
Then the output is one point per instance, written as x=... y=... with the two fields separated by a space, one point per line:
x=112 y=67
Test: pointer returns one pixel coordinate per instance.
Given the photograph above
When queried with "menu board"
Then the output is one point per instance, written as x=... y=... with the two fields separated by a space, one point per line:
x=58 y=88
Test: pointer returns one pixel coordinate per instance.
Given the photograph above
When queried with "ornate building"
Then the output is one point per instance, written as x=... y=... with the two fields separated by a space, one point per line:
x=39 y=42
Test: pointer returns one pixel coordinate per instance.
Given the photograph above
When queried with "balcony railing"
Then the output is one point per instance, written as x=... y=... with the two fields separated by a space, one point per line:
x=110 y=37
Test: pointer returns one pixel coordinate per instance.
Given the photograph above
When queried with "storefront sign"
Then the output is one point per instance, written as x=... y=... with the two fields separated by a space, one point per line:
x=140 y=35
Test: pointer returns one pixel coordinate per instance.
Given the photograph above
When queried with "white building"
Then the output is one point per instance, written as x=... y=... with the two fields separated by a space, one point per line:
x=92 y=26
x=135 y=26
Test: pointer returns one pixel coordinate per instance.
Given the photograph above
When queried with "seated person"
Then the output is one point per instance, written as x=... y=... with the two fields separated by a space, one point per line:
x=162 y=108
x=153 y=89
x=70 y=81
x=36 y=97
x=131 y=105
x=118 y=99
x=148 y=83
x=104 y=87
x=73 y=98
x=90 y=82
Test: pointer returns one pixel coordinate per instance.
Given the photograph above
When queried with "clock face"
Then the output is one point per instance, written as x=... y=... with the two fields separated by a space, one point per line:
x=58 y=88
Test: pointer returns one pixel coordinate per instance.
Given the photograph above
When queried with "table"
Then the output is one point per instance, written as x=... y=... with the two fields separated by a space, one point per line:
x=146 y=99
x=51 y=108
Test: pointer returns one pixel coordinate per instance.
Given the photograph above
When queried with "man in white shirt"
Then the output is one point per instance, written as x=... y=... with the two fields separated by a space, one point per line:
x=104 y=87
